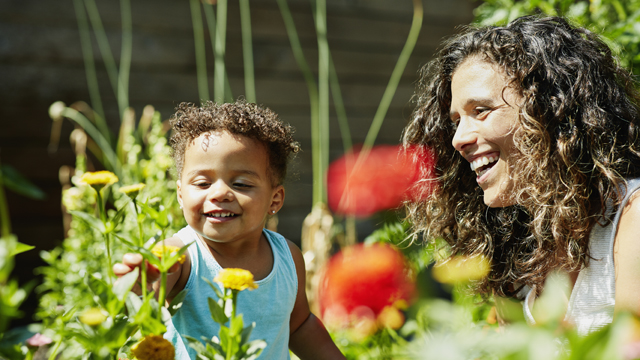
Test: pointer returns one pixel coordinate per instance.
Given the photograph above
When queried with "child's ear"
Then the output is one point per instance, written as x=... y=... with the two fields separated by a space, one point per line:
x=179 y=193
x=277 y=199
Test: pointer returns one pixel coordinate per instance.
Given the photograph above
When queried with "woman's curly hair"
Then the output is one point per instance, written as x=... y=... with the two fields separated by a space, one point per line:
x=240 y=118
x=577 y=141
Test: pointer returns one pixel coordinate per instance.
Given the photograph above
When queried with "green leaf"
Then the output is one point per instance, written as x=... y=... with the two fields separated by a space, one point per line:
x=214 y=345
x=246 y=333
x=214 y=287
x=17 y=183
x=133 y=303
x=116 y=220
x=236 y=325
x=125 y=284
x=20 y=248
x=254 y=349
x=217 y=312
x=195 y=344
x=169 y=261
x=224 y=339
x=101 y=292
x=176 y=303
x=89 y=219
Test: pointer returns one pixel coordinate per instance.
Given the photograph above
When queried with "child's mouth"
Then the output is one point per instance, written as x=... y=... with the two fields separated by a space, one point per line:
x=221 y=215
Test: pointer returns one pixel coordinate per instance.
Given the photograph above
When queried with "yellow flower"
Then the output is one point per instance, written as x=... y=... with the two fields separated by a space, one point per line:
x=391 y=317
x=169 y=249
x=99 y=179
x=236 y=279
x=153 y=347
x=92 y=317
x=462 y=269
x=132 y=191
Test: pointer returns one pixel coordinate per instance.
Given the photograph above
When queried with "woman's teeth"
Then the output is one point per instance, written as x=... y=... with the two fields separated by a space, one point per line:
x=479 y=164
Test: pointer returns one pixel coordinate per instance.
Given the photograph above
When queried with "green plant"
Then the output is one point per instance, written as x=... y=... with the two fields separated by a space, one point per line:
x=232 y=341
x=615 y=20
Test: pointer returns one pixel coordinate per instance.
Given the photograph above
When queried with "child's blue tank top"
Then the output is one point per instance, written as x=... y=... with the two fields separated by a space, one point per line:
x=269 y=306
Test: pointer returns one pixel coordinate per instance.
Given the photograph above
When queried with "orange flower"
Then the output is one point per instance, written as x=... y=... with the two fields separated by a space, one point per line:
x=363 y=282
x=381 y=181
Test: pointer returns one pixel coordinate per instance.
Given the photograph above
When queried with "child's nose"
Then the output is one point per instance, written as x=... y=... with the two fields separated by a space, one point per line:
x=220 y=191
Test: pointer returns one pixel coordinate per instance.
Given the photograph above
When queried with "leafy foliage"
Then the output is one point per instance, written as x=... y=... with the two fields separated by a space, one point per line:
x=617 y=21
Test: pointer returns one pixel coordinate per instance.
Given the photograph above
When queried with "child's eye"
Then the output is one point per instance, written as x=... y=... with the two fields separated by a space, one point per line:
x=242 y=185
x=202 y=184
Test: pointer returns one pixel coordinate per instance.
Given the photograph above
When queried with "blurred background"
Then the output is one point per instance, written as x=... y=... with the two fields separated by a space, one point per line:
x=41 y=62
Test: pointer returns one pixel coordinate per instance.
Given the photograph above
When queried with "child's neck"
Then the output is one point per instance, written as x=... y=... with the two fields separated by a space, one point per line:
x=255 y=256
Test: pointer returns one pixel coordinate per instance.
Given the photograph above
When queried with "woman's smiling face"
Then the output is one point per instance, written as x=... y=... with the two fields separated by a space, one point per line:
x=486 y=113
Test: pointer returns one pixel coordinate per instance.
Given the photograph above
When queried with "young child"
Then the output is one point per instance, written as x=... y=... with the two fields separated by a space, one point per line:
x=231 y=161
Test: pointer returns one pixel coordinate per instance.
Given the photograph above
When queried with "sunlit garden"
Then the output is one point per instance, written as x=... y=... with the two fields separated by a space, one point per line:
x=382 y=289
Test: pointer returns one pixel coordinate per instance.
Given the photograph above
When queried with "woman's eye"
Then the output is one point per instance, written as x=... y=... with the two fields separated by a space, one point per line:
x=482 y=111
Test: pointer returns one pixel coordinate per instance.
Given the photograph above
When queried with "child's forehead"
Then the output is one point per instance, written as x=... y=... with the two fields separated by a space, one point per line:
x=214 y=137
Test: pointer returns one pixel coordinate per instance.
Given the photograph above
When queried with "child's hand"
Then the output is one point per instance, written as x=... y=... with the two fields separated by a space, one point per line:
x=131 y=261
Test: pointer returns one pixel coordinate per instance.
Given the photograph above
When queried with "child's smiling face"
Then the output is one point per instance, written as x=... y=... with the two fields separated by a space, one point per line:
x=225 y=187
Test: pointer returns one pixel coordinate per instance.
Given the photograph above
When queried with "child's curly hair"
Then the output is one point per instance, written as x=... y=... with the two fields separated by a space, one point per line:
x=578 y=140
x=240 y=118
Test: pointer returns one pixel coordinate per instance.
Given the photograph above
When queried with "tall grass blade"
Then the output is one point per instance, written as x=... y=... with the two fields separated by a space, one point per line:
x=247 y=52
x=201 y=57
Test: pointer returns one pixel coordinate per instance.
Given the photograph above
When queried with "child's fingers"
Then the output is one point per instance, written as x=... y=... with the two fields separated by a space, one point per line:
x=174 y=268
x=132 y=260
x=120 y=269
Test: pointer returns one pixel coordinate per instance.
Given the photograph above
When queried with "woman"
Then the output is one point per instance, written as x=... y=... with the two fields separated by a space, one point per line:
x=535 y=129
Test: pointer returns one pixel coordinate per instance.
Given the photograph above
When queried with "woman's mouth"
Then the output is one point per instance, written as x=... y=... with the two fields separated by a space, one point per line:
x=483 y=164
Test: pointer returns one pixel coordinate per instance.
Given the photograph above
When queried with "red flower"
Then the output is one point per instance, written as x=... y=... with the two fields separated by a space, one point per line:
x=361 y=282
x=381 y=181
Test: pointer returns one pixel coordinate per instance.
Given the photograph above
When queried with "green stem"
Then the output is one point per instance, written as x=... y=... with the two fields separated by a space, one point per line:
x=105 y=49
x=162 y=294
x=341 y=112
x=143 y=266
x=5 y=220
x=211 y=25
x=201 y=57
x=322 y=162
x=296 y=48
x=107 y=238
x=390 y=91
x=54 y=353
x=125 y=56
x=90 y=68
x=219 y=52
x=247 y=52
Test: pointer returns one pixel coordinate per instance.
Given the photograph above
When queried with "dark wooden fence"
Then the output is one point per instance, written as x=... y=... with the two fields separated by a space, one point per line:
x=41 y=62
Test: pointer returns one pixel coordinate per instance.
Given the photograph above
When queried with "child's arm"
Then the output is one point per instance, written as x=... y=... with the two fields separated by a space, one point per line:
x=176 y=277
x=308 y=339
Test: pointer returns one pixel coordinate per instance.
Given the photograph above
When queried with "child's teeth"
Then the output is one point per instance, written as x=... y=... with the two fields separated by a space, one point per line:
x=222 y=215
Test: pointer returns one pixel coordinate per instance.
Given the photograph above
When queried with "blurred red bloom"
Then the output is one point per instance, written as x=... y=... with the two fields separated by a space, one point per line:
x=381 y=181
x=363 y=283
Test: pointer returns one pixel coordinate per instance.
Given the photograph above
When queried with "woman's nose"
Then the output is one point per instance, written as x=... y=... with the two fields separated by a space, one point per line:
x=220 y=191
x=465 y=134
